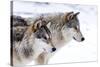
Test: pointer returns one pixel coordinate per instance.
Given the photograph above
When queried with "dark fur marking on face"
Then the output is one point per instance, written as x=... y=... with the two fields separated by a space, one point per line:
x=41 y=33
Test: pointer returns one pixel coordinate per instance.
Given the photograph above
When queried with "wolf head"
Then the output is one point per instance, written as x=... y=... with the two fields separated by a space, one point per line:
x=43 y=34
x=18 y=33
x=73 y=27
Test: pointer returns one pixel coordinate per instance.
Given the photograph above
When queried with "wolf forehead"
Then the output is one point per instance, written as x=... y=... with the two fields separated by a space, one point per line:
x=40 y=27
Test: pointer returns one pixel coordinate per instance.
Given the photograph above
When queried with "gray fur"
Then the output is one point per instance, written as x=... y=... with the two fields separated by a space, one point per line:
x=64 y=27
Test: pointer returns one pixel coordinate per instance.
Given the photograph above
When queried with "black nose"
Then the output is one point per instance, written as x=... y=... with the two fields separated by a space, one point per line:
x=53 y=49
x=82 y=39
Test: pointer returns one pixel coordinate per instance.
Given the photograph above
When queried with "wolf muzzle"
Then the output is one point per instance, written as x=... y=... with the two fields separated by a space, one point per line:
x=82 y=39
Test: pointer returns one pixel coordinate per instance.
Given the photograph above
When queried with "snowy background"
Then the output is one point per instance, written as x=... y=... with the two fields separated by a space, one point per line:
x=74 y=51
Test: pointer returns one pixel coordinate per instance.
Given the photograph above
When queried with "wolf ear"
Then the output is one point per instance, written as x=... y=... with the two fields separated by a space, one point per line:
x=37 y=25
x=48 y=24
x=69 y=15
x=76 y=13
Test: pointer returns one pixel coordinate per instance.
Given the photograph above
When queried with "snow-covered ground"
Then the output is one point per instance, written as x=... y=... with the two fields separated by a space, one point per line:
x=73 y=51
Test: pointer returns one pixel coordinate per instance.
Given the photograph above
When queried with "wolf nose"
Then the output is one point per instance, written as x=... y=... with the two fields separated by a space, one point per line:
x=82 y=39
x=53 y=49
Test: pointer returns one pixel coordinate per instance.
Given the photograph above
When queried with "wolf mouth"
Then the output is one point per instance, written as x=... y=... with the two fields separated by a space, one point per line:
x=74 y=38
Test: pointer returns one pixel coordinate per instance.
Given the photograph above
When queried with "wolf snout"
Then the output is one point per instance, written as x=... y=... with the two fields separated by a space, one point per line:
x=82 y=39
x=53 y=49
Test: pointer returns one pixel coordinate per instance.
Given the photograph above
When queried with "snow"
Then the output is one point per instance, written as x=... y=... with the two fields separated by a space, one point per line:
x=73 y=51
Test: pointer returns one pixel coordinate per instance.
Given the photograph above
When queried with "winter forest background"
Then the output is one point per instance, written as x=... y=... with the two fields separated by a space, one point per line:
x=74 y=51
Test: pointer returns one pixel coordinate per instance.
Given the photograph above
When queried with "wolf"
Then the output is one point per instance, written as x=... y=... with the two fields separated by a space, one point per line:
x=34 y=45
x=63 y=27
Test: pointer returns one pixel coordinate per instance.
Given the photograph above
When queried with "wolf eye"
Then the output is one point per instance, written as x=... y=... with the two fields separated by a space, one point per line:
x=45 y=37
x=75 y=28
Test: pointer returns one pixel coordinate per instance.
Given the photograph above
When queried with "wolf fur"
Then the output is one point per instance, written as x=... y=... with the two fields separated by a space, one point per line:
x=63 y=27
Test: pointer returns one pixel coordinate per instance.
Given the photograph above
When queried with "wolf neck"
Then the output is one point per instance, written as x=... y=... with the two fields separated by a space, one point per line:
x=61 y=38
